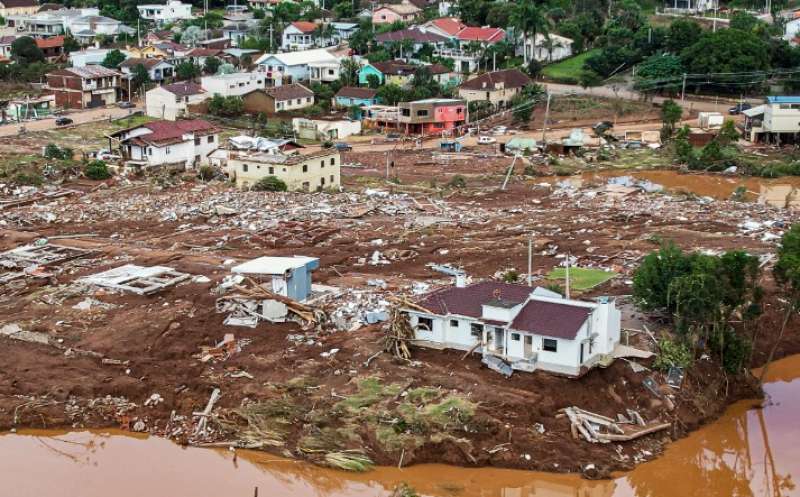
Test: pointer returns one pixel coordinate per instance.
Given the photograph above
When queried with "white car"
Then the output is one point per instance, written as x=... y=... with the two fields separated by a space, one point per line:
x=486 y=140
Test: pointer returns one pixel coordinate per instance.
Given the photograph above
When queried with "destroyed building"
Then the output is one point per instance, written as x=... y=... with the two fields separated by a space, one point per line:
x=286 y=276
x=530 y=329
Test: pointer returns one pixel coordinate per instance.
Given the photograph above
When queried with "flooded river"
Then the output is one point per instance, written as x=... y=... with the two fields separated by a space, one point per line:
x=749 y=452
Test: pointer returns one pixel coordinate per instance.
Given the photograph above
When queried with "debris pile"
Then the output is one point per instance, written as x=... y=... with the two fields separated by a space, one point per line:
x=596 y=428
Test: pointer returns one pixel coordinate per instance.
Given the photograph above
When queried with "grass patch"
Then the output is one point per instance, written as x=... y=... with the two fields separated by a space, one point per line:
x=133 y=120
x=581 y=278
x=370 y=391
x=568 y=71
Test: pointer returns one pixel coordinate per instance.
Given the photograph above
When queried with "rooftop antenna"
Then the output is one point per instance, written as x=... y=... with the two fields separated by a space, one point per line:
x=567 y=275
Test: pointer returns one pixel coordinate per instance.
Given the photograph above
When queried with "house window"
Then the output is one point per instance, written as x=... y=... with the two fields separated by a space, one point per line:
x=425 y=323
x=168 y=150
x=332 y=180
x=272 y=170
x=454 y=323
x=197 y=140
x=244 y=168
x=549 y=345
x=211 y=139
x=299 y=101
x=308 y=99
x=515 y=337
x=333 y=161
x=149 y=151
x=322 y=181
x=305 y=168
x=322 y=164
x=422 y=113
x=476 y=330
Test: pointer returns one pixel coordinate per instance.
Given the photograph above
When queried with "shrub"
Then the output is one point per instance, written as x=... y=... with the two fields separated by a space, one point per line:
x=529 y=170
x=511 y=276
x=458 y=181
x=270 y=184
x=53 y=151
x=31 y=179
x=672 y=353
x=206 y=173
x=97 y=170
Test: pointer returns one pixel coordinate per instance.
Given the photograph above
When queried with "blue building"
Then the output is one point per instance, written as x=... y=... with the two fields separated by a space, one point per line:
x=349 y=96
x=287 y=276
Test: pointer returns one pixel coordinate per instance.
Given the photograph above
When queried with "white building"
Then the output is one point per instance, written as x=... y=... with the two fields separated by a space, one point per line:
x=548 y=48
x=530 y=329
x=234 y=84
x=168 y=143
x=89 y=57
x=157 y=69
x=299 y=35
x=295 y=65
x=170 y=102
x=325 y=129
x=776 y=121
x=172 y=11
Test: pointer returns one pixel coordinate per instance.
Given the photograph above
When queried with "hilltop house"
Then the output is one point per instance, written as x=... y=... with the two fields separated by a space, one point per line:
x=689 y=6
x=448 y=27
x=546 y=48
x=316 y=170
x=284 y=98
x=18 y=7
x=166 y=143
x=348 y=96
x=295 y=66
x=466 y=59
x=530 y=329
x=234 y=84
x=776 y=121
x=157 y=69
x=52 y=47
x=172 y=11
x=399 y=12
x=170 y=102
x=416 y=36
x=497 y=88
x=299 y=35
x=84 y=87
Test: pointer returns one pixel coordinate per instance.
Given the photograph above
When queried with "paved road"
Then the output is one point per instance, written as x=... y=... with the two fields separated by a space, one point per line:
x=79 y=117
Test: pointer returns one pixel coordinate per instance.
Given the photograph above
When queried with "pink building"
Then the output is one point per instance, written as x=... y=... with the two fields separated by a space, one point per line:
x=431 y=116
x=388 y=14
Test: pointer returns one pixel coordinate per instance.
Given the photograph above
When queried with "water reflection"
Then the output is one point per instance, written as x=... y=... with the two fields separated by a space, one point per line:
x=749 y=452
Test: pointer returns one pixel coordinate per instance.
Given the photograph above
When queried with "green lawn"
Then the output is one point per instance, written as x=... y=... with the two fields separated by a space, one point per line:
x=568 y=70
x=581 y=278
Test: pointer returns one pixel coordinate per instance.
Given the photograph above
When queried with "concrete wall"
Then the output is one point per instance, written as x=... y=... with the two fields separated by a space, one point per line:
x=782 y=118
x=233 y=86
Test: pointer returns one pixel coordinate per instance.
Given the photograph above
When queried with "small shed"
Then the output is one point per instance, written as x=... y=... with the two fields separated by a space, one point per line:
x=286 y=276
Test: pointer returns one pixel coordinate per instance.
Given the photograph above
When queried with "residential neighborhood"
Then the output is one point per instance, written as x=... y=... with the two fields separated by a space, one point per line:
x=399 y=248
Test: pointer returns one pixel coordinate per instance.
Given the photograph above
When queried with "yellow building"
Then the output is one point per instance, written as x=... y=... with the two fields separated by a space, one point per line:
x=18 y=7
x=314 y=171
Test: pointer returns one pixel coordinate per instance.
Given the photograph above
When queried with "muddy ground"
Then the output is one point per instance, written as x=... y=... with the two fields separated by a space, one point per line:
x=288 y=389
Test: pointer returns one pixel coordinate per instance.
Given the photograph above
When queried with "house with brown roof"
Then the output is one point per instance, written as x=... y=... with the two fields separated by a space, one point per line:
x=284 y=98
x=527 y=328
x=170 y=102
x=157 y=69
x=52 y=47
x=497 y=88
x=183 y=143
x=84 y=87
x=349 y=96
x=18 y=7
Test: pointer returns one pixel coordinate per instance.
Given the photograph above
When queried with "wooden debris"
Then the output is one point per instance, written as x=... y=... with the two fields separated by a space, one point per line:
x=596 y=428
x=398 y=335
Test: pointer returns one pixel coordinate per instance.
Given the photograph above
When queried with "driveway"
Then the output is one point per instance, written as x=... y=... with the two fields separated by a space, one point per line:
x=78 y=117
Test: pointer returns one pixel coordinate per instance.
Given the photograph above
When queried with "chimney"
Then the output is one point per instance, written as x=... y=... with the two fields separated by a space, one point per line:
x=461 y=280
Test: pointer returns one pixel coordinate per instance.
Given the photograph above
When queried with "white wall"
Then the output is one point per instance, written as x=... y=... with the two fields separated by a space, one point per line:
x=179 y=153
x=236 y=84
x=162 y=104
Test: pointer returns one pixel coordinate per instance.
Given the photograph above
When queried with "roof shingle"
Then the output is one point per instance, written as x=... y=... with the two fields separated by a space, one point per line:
x=356 y=92
x=468 y=301
x=510 y=78
x=288 y=92
x=551 y=319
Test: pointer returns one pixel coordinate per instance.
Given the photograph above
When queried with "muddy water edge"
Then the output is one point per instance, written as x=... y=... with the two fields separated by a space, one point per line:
x=753 y=450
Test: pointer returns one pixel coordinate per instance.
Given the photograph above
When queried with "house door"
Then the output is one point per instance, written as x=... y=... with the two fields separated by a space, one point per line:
x=528 y=346
x=499 y=339
x=582 y=345
x=97 y=101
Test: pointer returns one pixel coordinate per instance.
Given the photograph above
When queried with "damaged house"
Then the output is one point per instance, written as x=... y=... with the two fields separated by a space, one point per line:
x=528 y=329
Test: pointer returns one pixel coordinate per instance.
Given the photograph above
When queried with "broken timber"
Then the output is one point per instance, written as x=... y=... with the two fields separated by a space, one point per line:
x=589 y=425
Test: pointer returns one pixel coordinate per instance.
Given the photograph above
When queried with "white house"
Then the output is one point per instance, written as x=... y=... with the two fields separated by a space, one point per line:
x=162 y=143
x=172 y=11
x=549 y=48
x=157 y=69
x=295 y=65
x=791 y=29
x=90 y=56
x=170 y=102
x=325 y=129
x=776 y=121
x=299 y=35
x=530 y=329
x=234 y=84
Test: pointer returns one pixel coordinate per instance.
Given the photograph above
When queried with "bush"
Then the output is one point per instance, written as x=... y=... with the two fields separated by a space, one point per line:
x=511 y=276
x=206 y=173
x=97 y=170
x=31 y=179
x=458 y=181
x=529 y=170
x=53 y=151
x=672 y=353
x=270 y=184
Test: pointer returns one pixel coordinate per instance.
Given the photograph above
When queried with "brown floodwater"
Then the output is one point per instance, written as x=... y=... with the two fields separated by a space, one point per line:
x=774 y=191
x=751 y=451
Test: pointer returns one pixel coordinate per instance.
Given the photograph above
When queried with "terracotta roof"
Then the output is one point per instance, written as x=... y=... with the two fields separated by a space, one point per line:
x=356 y=92
x=203 y=52
x=510 y=78
x=394 y=67
x=450 y=25
x=13 y=4
x=52 y=42
x=288 y=92
x=166 y=132
x=489 y=35
x=437 y=68
x=467 y=301
x=413 y=34
x=171 y=45
x=551 y=319
x=401 y=8
x=305 y=26
x=147 y=63
x=184 y=89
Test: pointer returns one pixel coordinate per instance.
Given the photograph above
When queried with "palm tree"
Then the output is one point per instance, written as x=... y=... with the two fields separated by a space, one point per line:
x=529 y=19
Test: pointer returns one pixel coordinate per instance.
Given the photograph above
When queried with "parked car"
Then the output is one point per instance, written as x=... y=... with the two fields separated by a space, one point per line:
x=499 y=130
x=126 y=105
x=107 y=155
x=342 y=147
x=63 y=121
x=739 y=108
x=393 y=137
x=486 y=140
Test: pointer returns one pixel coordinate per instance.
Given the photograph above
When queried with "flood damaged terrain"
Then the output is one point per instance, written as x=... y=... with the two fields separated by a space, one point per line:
x=750 y=451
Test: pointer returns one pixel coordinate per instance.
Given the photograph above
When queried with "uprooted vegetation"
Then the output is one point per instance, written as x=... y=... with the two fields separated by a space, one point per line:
x=334 y=429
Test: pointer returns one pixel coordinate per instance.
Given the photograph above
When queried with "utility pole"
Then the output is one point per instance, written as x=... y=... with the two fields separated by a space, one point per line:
x=683 y=88
x=530 y=261
x=494 y=61
x=567 y=274
x=270 y=37
x=546 y=117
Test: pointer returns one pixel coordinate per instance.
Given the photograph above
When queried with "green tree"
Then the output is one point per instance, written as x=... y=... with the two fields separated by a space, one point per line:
x=682 y=33
x=373 y=81
x=225 y=106
x=97 y=170
x=348 y=74
x=187 y=70
x=529 y=19
x=659 y=73
x=25 y=51
x=671 y=113
x=113 y=59
x=211 y=65
x=71 y=44
x=522 y=109
x=589 y=79
x=743 y=21
x=270 y=184
x=390 y=94
x=140 y=76
x=728 y=133
x=727 y=51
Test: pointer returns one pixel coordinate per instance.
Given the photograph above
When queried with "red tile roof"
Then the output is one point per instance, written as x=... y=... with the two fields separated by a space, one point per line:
x=166 y=132
x=468 y=301
x=52 y=42
x=203 y=52
x=551 y=319
x=305 y=26
x=450 y=25
x=488 y=35
x=184 y=89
